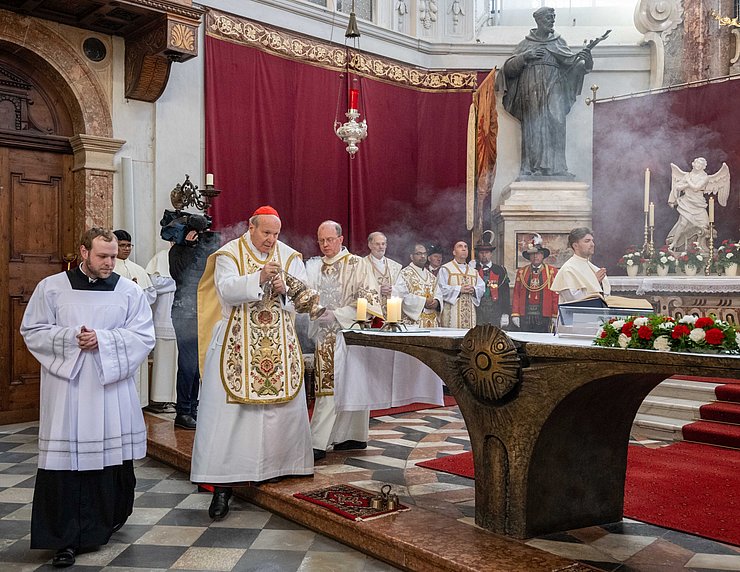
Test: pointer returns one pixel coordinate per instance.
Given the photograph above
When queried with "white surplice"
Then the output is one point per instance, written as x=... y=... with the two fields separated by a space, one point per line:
x=132 y=271
x=163 y=386
x=90 y=414
x=576 y=280
x=238 y=442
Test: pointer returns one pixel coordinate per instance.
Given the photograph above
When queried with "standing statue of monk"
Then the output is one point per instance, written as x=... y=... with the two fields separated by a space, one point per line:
x=541 y=81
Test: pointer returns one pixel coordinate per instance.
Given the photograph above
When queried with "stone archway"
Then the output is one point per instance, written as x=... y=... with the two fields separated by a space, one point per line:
x=88 y=104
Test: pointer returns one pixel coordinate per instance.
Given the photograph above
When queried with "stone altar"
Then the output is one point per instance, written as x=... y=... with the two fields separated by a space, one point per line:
x=549 y=419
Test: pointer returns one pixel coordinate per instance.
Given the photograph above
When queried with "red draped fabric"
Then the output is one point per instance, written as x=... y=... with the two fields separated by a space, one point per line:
x=270 y=140
x=653 y=131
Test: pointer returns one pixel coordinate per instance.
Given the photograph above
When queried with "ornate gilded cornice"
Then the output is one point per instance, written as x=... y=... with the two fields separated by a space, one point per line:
x=297 y=47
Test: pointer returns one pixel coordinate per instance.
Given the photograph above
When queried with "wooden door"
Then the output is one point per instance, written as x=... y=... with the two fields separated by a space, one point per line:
x=36 y=231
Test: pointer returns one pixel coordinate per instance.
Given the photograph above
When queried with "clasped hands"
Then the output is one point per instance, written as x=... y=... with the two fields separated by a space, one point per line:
x=467 y=289
x=271 y=272
x=87 y=339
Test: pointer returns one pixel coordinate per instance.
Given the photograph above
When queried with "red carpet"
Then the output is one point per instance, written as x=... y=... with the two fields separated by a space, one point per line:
x=449 y=402
x=685 y=486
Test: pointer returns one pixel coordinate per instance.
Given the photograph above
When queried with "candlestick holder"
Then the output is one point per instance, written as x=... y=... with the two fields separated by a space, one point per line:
x=394 y=327
x=650 y=248
x=708 y=265
x=645 y=237
x=360 y=325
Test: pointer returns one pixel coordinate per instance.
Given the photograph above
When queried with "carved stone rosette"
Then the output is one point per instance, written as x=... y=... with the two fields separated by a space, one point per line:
x=489 y=363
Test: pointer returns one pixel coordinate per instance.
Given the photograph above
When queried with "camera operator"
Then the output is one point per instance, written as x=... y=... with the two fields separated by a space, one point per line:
x=188 y=256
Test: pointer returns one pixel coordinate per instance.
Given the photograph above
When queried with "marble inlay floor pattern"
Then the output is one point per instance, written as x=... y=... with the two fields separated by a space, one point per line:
x=171 y=530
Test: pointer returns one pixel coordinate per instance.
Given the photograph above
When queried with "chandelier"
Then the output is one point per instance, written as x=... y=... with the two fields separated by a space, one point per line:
x=352 y=131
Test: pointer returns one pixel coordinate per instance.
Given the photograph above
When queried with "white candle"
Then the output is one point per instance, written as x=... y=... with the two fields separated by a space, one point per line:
x=711 y=209
x=651 y=215
x=209 y=179
x=361 y=310
x=647 y=190
x=394 y=310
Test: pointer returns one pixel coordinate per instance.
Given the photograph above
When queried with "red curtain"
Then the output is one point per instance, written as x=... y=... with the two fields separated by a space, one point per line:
x=653 y=131
x=270 y=140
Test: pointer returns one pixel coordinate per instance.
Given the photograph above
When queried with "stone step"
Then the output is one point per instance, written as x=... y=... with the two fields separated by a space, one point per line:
x=683 y=389
x=672 y=407
x=659 y=427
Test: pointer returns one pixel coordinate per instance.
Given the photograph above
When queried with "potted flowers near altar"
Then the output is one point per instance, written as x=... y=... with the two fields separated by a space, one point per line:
x=663 y=262
x=728 y=254
x=692 y=260
x=656 y=332
x=631 y=260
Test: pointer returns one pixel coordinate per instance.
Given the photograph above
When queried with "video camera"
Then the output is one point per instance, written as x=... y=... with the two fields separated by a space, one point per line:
x=177 y=224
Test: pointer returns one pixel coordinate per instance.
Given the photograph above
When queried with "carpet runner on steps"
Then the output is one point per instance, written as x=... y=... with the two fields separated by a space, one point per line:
x=684 y=486
x=720 y=420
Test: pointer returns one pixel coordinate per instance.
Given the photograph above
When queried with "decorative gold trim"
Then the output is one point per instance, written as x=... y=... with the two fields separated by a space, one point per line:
x=332 y=56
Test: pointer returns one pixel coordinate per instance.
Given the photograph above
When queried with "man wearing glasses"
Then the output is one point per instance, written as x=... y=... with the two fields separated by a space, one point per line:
x=340 y=278
x=418 y=287
x=129 y=269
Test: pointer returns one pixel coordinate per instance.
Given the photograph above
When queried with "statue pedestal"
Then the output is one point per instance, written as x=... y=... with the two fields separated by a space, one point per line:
x=546 y=207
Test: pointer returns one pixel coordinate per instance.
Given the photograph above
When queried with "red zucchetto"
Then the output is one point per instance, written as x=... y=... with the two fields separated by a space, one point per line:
x=268 y=210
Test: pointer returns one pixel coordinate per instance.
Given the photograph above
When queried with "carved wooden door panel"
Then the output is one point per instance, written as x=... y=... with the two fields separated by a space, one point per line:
x=36 y=231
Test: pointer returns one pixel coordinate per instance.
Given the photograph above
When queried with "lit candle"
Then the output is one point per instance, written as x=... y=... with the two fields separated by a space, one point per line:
x=651 y=215
x=647 y=190
x=353 y=95
x=711 y=209
x=394 y=310
x=361 y=310
x=209 y=180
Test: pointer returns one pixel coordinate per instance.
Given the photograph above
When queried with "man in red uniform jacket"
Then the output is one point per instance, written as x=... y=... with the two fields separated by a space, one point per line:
x=535 y=307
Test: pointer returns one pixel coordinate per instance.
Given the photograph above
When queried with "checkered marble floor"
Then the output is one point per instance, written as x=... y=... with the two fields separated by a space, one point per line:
x=169 y=528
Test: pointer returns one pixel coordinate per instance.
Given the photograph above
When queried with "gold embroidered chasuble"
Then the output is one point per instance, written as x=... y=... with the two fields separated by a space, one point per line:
x=461 y=313
x=386 y=273
x=415 y=285
x=340 y=281
x=261 y=360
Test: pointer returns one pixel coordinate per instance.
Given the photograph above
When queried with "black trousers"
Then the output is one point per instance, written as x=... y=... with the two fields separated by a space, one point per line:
x=81 y=509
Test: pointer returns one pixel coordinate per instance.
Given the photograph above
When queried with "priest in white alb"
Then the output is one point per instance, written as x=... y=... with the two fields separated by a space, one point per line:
x=384 y=269
x=252 y=418
x=163 y=385
x=579 y=280
x=340 y=278
x=90 y=330
x=462 y=288
x=132 y=271
x=420 y=293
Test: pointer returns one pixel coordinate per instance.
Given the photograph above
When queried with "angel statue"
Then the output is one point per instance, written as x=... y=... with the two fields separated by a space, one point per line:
x=687 y=196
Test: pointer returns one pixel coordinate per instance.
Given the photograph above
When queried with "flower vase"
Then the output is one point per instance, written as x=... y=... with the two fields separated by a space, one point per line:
x=662 y=270
x=690 y=270
x=633 y=270
x=731 y=269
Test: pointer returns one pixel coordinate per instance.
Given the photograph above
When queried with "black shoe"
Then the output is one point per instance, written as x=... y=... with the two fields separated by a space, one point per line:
x=318 y=454
x=64 y=558
x=350 y=445
x=184 y=421
x=220 y=504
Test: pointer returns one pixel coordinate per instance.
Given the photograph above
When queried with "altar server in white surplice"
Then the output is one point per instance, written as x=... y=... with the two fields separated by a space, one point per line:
x=252 y=417
x=384 y=269
x=462 y=288
x=131 y=271
x=163 y=385
x=418 y=288
x=90 y=330
x=579 y=280
x=340 y=279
